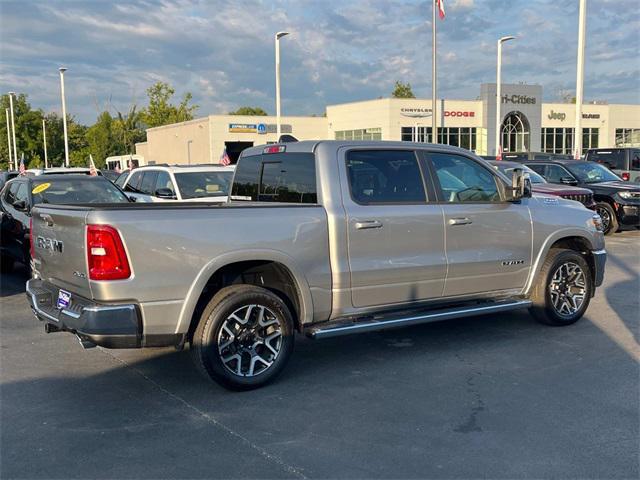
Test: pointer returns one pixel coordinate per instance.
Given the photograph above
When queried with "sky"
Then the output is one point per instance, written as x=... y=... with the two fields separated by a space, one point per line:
x=222 y=51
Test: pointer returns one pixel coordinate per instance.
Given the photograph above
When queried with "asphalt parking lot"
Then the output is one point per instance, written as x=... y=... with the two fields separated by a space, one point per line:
x=493 y=397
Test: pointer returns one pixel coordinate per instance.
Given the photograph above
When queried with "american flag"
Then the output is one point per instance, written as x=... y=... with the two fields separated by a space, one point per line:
x=224 y=158
x=23 y=171
x=92 y=167
x=499 y=155
x=440 y=8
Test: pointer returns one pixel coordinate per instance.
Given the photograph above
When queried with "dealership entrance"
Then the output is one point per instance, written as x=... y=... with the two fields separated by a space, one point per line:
x=515 y=133
x=234 y=149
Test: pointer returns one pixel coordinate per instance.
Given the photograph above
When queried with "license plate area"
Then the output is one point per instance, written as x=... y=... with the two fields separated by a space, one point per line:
x=64 y=299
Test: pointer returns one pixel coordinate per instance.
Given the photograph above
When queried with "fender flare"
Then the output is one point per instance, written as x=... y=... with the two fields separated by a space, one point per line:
x=546 y=246
x=196 y=288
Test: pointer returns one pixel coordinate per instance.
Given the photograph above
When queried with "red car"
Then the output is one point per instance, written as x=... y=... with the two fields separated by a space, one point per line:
x=540 y=185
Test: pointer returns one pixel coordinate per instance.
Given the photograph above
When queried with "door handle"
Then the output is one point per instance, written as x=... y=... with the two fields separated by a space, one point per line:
x=47 y=219
x=363 y=224
x=459 y=221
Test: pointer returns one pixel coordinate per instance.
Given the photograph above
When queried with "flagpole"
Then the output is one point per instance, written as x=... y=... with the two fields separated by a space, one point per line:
x=44 y=138
x=577 y=136
x=11 y=164
x=434 y=128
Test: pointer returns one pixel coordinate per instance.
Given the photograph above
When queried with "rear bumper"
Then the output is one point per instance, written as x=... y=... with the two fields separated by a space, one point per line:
x=110 y=326
x=599 y=261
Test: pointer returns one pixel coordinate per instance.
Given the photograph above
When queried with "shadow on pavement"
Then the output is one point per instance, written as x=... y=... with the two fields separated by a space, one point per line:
x=14 y=282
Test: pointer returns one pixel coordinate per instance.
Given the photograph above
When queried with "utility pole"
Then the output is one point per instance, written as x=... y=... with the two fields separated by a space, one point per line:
x=64 y=117
x=278 y=36
x=499 y=94
x=44 y=139
x=577 y=136
x=13 y=129
x=6 y=111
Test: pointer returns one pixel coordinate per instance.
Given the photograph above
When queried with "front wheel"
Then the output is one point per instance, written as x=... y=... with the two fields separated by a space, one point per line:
x=608 y=216
x=244 y=337
x=563 y=288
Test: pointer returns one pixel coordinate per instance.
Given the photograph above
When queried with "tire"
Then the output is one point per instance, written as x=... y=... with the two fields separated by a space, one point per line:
x=609 y=219
x=239 y=324
x=550 y=288
x=6 y=264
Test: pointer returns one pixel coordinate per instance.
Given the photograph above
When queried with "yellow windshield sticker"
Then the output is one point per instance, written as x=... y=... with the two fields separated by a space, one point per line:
x=40 y=188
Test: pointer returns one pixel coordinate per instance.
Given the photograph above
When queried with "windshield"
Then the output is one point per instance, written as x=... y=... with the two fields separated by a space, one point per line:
x=589 y=172
x=203 y=184
x=70 y=191
x=508 y=171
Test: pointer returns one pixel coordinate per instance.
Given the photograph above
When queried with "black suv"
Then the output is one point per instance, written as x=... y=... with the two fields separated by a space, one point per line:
x=617 y=202
x=624 y=162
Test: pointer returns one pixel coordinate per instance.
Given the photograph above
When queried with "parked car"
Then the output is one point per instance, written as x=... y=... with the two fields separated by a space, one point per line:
x=324 y=237
x=182 y=183
x=540 y=185
x=35 y=172
x=617 y=202
x=6 y=176
x=22 y=193
x=524 y=156
x=624 y=162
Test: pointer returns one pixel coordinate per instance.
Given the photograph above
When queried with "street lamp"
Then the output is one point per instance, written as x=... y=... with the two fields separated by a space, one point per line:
x=577 y=136
x=64 y=117
x=498 y=93
x=6 y=111
x=13 y=128
x=278 y=36
x=44 y=138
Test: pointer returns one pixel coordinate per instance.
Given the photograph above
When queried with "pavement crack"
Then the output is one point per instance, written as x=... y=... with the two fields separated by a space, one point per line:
x=209 y=418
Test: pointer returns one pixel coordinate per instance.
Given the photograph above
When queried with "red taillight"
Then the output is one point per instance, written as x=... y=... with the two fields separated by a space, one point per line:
x=32 y=248
x=626 y=176
x=106 y=256
x=274 y=149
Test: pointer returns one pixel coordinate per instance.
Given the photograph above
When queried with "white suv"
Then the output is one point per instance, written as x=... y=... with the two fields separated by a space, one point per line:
x=181 y=183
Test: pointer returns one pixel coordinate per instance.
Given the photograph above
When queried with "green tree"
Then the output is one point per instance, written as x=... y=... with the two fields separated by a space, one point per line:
x=402 y=90
x=161 y=111
x=79 y=149
x=128 y=130
x=100 y=138
x=28 y=124
x=255 y=111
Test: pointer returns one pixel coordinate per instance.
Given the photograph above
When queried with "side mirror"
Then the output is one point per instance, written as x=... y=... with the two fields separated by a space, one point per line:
x=166 y=193
x=20 y=205
x=568 y=181
x=133 y=199
x=520 y=185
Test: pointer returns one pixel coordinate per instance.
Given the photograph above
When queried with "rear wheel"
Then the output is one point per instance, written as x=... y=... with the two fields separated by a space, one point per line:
x=563 y=288
x=608 y=216
x=244 y=337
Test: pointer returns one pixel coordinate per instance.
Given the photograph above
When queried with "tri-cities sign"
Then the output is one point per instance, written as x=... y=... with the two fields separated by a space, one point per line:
x=519 y=99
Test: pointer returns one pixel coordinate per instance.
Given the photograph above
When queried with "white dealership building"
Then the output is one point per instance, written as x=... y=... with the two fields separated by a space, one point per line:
x=527 y=124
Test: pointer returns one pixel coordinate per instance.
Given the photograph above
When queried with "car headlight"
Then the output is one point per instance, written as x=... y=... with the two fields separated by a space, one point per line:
x=597 y=222
x=629 y=195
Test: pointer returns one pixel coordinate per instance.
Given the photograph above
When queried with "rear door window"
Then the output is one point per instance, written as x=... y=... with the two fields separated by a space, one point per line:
x=385 y=177
x=132 y=184
x=635 y=159
x=148 y=183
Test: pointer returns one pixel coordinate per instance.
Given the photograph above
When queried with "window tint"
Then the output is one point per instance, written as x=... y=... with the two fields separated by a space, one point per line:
x=555 y=173
x=385 y=176
x=288 y=178
x=284 y=177
x=132 y=184
x=203 y=184
x=10 y=196
x=164 y=181
x=635 y=159
x=613 y=159
x=22 y=195
x=73 y=191
x=464 y=180
x=122 y=178
x=148 y=183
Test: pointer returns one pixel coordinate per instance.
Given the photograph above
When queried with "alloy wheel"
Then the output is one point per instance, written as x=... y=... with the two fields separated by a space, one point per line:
x=606 y=218
x=568 y=289
x=250 y=340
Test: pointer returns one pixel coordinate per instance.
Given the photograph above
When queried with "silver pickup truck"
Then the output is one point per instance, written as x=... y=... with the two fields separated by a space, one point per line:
x=325 y=238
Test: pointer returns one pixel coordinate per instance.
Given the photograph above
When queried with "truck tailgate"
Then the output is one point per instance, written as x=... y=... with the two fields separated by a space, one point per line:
x=58 y=236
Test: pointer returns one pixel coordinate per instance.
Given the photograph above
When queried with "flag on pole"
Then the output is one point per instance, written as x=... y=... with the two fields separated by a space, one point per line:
x=92 y=167
x=440 y=8
x=499 y=155
x=224 y=158
x=23 y=171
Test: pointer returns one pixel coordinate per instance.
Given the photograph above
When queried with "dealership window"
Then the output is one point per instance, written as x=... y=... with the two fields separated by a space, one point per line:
x=560 y=140
x=464 y=137
x=361 y=134
x=626 y=137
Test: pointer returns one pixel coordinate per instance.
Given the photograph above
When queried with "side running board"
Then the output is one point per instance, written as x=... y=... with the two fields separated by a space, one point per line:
x=336 y=329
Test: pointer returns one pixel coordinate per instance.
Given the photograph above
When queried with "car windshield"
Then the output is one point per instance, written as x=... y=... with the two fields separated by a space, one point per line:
x=590 y=172
x=203 y=184
x=63 y=192
x=508 y=171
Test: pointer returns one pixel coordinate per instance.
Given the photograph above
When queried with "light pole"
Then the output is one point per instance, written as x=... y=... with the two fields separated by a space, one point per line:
x=44 y=139
x=13 y=129
x=577 y=136
x=498 y=90
x=189 y=142
x=64 y=117
x=278 y=36
x=6 y=111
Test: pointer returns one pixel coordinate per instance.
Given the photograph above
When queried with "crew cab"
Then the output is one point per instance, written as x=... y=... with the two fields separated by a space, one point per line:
x=325 y=238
